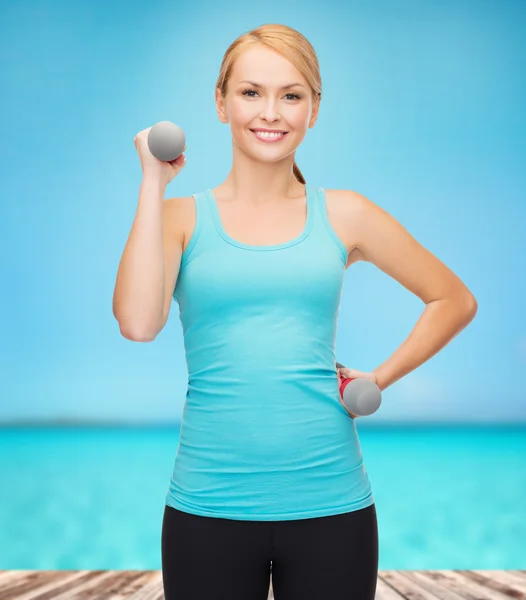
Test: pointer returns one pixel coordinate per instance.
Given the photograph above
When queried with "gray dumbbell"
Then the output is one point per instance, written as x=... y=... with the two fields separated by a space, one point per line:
x=166 y=141
x=361 y=396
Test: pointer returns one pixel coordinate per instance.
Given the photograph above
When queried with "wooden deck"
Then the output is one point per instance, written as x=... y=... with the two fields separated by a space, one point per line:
x=147 y=585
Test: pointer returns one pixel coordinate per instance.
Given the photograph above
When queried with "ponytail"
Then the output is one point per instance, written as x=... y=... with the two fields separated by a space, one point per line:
x=297 y=173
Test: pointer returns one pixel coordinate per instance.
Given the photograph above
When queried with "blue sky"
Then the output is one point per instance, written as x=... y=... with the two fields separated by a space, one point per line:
x=422 y=112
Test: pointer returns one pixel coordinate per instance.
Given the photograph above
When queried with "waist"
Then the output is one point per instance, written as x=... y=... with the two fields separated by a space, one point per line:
x=269 y=463
x=269 y=425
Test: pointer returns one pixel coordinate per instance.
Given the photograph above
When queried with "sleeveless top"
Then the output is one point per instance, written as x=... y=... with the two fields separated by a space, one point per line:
x=263 y=435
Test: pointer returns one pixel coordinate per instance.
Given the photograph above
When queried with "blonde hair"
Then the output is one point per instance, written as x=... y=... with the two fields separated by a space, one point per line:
x=289 y=43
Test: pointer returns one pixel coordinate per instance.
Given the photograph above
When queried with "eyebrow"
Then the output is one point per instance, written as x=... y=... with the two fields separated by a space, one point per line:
x=285 y=87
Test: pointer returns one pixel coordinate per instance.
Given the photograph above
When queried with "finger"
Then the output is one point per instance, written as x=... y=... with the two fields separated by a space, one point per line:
x=180 y=160
x=347 y=372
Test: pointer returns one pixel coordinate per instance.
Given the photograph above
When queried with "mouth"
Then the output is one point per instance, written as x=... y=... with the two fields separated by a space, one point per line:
x=269 y=137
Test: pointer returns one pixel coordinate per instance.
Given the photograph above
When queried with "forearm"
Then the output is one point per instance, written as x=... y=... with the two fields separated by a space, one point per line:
x=139 y=288
x=441 y=321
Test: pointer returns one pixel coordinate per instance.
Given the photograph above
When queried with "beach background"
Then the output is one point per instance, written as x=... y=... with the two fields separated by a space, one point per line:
x=422 y=112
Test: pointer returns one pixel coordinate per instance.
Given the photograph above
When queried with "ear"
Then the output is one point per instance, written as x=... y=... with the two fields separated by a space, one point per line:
x=220 y=107
x=315 y=110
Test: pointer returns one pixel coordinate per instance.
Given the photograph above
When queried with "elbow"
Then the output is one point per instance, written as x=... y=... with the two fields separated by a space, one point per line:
x=470 y=305
x=464 y=301
x=136 y=334
x=135 y=331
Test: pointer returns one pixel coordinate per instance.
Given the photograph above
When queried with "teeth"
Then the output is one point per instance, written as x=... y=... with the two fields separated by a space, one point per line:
x=267 y=134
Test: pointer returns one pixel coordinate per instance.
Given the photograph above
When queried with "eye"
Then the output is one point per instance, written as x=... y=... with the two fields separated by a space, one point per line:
x=247 y=92
x=250 y=91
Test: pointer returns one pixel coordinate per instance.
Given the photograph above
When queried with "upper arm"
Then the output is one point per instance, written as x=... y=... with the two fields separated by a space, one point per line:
x=173 y=250
x=383 y=241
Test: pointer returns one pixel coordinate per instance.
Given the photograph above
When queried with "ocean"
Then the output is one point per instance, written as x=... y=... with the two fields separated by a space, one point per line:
x=87 y=497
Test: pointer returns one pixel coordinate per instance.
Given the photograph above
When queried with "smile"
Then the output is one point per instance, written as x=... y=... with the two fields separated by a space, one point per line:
x=269 y=137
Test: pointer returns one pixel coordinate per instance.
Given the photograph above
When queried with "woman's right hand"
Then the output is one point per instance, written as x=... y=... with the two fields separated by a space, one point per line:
x=152 y=166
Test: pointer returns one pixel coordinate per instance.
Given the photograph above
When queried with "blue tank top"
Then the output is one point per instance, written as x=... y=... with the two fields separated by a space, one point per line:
x=263 y=436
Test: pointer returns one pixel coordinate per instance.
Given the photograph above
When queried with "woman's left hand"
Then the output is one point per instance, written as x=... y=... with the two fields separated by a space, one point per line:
x=346 y=373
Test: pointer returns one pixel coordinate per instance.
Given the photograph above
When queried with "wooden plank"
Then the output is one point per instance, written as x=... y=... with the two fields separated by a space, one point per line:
x=28 y=583
x=153 y=590
x=502 y=588
x=505 y=582
x=384 y=591
x=148 y=585
x=129 y=585
x=42 y=584
x=460 y=584
x=404 y=583
x=8 y=577
x=84 y=587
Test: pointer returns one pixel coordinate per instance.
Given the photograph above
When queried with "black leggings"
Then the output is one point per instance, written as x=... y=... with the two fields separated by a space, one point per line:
x=329 y=558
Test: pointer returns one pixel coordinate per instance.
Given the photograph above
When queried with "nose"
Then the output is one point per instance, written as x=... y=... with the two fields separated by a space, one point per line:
x=270 y=112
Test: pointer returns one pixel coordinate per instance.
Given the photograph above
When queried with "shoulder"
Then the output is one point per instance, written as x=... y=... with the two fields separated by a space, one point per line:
x=363 y=223
x=183 y=204
x=348 y=202
x=347 y=209
x=370 y=223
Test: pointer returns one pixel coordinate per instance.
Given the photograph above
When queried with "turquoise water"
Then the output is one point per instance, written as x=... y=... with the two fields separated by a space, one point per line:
x=93 y=498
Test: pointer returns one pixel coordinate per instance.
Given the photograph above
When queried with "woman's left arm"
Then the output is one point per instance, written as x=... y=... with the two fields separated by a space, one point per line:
x=450 y=306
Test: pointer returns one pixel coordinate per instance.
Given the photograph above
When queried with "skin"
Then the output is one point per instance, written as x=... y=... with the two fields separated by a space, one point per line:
x=261 y=178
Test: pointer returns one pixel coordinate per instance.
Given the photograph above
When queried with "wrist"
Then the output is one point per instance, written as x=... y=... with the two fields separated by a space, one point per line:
x=381 y=380
x=153 y=185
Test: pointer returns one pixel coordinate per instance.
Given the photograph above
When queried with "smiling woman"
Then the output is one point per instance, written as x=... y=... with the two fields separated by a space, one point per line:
x=269 y=465
x=267 y=451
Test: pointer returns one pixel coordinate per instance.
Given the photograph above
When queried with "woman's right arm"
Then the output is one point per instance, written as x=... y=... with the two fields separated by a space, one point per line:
x=151 y=259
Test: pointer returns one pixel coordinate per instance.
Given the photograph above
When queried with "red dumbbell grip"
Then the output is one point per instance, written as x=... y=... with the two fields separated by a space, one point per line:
x=345 y=383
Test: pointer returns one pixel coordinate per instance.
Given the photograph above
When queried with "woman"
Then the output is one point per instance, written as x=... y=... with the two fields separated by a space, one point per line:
x=269 y=469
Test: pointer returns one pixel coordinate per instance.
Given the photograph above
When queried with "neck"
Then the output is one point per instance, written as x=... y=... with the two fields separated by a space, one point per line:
x=256 y=183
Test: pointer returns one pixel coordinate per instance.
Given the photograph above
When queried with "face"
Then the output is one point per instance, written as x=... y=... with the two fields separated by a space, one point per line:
x=267 y=105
